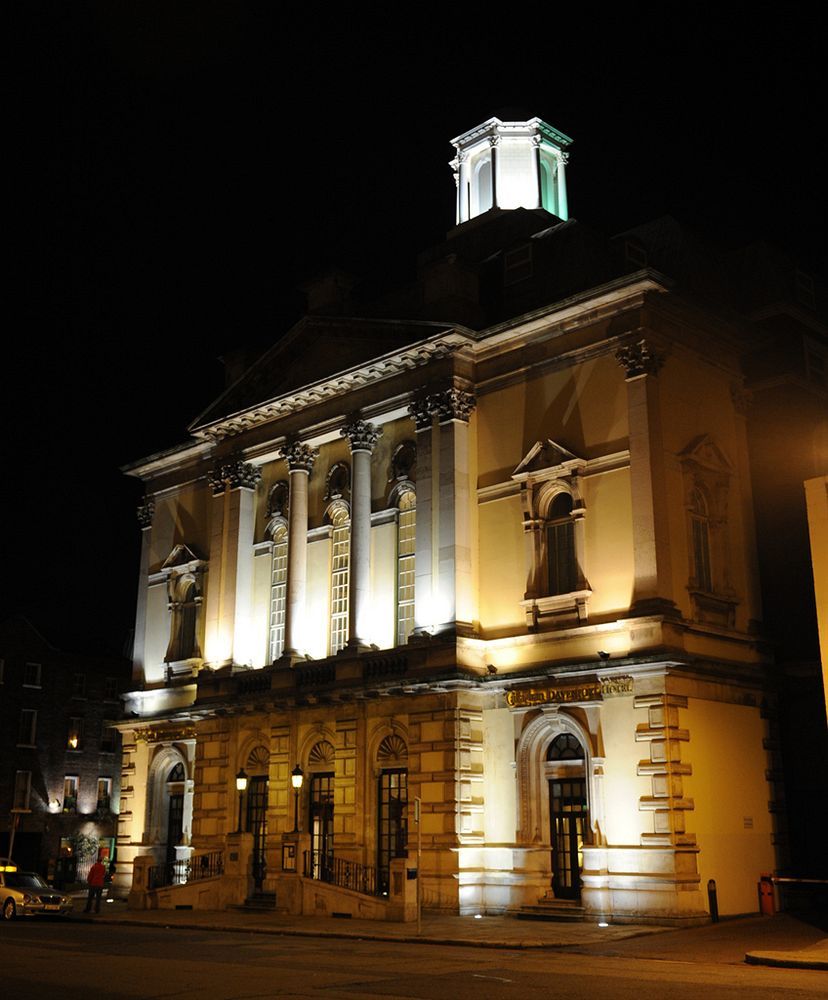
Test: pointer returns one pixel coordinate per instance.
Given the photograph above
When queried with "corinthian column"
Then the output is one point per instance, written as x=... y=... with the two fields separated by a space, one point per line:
x=300 y=458
x=362 y=437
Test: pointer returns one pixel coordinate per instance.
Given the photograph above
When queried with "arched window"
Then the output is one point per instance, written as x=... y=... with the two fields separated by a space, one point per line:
x=565 y=747
x=278 y=592
x=562 y=567
x=700 y=530
x=406 y=542
x=340 y=573
x=549 y=189
x=184 y=621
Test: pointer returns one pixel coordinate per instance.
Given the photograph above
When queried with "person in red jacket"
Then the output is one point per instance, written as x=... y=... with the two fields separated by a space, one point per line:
x=95 y=882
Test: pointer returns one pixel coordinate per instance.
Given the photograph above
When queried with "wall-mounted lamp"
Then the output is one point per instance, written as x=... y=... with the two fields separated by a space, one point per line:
x=241 y=788
x=297 y=776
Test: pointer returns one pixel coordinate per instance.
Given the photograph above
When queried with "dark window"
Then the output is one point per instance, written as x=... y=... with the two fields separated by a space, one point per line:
x=560 y=547
x=79 y=686
x=392 y=833
x=108 y=737
x=27 y=732
x=31 y=675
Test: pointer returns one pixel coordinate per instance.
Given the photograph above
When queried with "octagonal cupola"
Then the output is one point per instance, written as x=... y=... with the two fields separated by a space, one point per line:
x=510 y=165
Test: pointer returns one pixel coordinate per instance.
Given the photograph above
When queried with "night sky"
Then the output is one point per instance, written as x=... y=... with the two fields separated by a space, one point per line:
x=179 y=170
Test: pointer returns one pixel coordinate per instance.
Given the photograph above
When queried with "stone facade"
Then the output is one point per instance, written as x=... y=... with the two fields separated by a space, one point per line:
x=544 y=668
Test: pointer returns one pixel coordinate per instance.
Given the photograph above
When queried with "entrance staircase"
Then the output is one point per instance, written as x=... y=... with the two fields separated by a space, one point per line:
x=549 y=908
x=259 y=902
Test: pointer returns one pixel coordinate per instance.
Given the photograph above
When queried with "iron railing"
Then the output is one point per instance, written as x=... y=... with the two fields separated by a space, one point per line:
x=191 y=870
x=345 y=874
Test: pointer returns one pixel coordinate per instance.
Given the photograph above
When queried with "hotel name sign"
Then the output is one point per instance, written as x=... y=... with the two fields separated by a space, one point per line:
x=607 y=687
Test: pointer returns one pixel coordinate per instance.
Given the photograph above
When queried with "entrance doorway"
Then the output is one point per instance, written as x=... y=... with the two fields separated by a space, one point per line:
x=175 y=813
x=568 y=814
x=257 y=825
x=321 y=826
x=392 y=835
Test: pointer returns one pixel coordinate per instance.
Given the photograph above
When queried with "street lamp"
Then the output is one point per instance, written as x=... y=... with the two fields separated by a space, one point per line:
x=241 y=787
x=297 y=776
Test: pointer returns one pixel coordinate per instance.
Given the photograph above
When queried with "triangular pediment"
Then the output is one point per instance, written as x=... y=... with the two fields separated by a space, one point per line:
x=704 y=452
x=544 y=455
x=181 y=555
x=315 y=349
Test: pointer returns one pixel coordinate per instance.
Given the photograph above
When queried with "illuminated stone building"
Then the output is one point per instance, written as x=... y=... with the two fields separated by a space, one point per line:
x=487 y=543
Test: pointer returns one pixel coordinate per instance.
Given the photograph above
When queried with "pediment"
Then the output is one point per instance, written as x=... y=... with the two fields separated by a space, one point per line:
x=544 y=455
x=316 y=349
x=181 y=555
x=706 y=453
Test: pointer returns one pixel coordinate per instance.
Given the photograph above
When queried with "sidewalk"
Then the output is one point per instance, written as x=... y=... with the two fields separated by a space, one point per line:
x=783 y=940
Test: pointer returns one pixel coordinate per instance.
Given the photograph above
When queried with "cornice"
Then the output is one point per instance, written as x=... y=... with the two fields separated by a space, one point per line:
x=377 y=370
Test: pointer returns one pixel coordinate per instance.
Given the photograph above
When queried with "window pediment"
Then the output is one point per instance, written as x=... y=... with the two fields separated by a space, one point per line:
x=545 y=459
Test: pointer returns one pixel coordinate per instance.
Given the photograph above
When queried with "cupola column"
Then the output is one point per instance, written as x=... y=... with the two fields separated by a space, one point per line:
x=560 y=178
x=300 y=458
x=362 y=437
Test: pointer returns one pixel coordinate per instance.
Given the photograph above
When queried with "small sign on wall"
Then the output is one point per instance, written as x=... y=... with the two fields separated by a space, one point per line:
x=288 y=857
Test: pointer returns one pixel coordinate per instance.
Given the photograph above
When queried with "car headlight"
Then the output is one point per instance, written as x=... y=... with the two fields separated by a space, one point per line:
x=29 y=899
x=64 y=900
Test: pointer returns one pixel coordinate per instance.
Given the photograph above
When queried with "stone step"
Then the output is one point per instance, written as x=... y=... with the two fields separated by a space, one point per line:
x=552 y=909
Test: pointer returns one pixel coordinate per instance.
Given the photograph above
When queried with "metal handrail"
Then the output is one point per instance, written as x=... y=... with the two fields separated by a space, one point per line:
x=199 y=866
x=344 y=874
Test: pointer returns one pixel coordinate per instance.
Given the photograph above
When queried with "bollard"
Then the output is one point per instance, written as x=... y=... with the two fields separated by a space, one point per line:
x=712 y=901
x=766 y=903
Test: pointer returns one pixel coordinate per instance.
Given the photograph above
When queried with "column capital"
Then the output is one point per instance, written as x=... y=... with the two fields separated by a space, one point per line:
x=494 y=141
x=639 y=358
x=144 y=512
x=299 y=456
x=361 y=435
x=451 y=404
x=421 y=414
x=233 y=474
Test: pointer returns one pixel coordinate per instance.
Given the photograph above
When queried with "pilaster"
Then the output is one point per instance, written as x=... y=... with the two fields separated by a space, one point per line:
x=145 y=512
x=653 y=589
x=230 y=590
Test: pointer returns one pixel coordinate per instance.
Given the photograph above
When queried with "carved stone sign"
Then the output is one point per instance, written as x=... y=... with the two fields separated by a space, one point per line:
x=606 y=687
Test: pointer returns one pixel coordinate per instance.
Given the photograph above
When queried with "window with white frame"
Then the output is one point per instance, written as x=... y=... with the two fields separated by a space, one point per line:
x=27 y=732
x=278 y=592
x=406 y=543
x=70 y=793
x=22 y=790
x=340 y=573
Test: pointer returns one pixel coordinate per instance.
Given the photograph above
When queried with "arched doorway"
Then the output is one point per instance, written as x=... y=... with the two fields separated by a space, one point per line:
x=258 y=764
x=321 y=809
x=175 y=810
x=568 y=813
x=392 y=806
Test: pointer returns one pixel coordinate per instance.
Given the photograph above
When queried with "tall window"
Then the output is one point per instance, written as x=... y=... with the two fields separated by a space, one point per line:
x=104 y=794
x=278 y=593
x=406 y=541
x=31 y=675
x=70 y=793
x=340 y=560
x=79 y=686
x=74 y=740
x=700 y=528
x=560 y=547
x=22 y=789
x=27 y=732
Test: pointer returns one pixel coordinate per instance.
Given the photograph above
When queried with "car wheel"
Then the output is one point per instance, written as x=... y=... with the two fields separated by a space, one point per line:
x=9 y=910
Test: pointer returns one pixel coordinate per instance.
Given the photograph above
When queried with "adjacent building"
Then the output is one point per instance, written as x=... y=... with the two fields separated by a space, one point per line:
x=475 y=563
x=61 y=756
